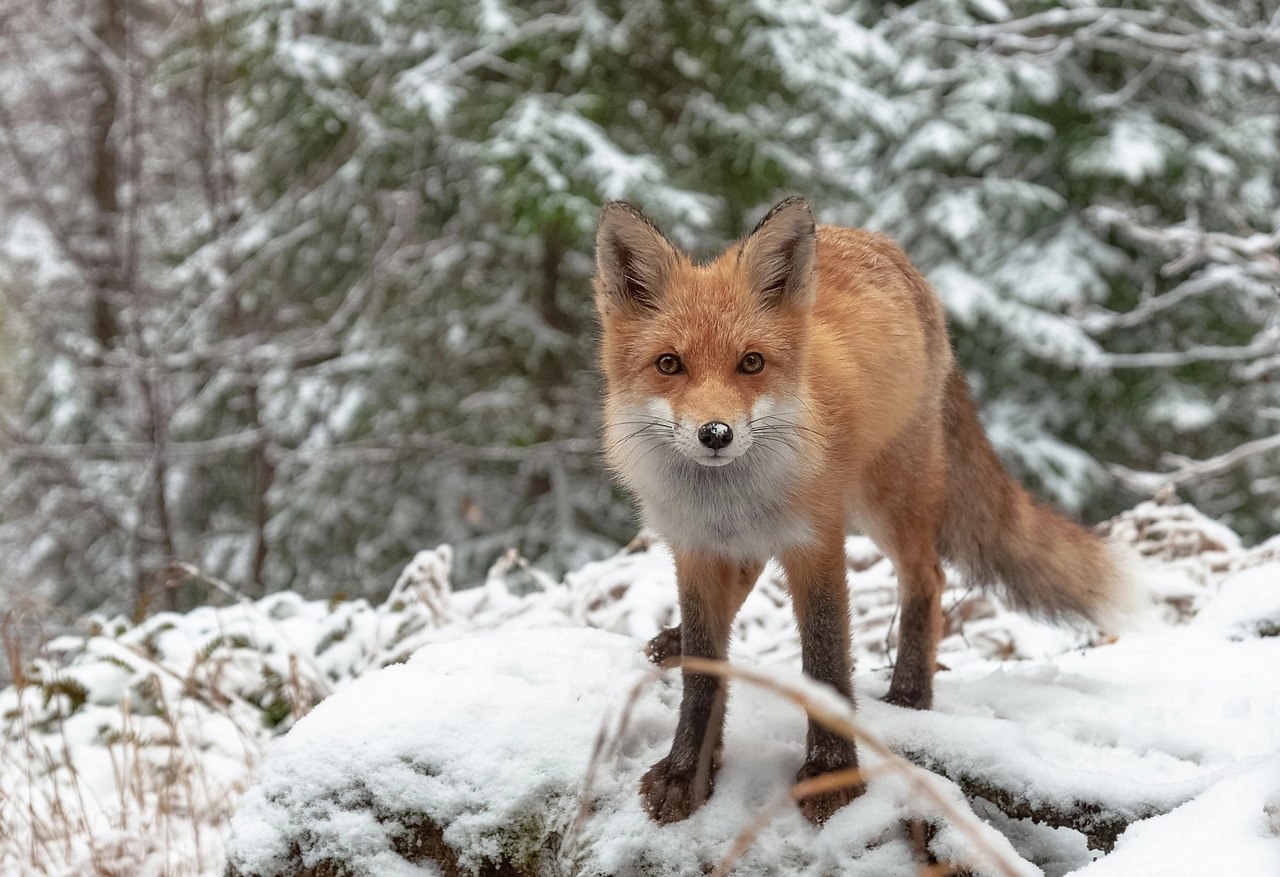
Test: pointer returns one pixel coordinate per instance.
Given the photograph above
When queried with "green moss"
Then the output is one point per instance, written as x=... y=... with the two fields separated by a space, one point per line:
x=529 y=837
x=276 y=712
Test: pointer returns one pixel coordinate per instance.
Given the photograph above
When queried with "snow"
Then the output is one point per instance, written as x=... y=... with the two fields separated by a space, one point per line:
x=490 y=734
x=553 y=141
x=496 y=731
x=479 y=710
x=1134 y=150
x=311 y=60
x=1248 y=604
x=1230 y=829
x=1183 y=409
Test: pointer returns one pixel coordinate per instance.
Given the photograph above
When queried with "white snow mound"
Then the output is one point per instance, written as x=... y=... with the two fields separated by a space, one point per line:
x=490 y=739
x=1157 y=753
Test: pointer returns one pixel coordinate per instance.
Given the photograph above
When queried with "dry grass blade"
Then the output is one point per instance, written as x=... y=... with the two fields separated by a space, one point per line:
x=605 y=743
x=835 y=715
x=12 y=644
x=829 y=782
x=815 y=785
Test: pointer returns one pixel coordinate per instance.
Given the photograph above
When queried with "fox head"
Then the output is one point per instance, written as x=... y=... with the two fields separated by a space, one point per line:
x=704 y=363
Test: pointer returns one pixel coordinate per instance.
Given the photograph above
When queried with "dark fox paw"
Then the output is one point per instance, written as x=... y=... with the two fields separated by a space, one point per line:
x=670 y=795
x=664 y=649
x=914 y=699
x=820 y=807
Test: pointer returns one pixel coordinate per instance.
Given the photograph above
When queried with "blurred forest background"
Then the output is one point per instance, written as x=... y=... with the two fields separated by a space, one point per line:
x=290 y=289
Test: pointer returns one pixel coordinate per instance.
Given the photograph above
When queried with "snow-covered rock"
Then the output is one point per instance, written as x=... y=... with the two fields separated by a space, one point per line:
x=473 y=757
x=519 y=751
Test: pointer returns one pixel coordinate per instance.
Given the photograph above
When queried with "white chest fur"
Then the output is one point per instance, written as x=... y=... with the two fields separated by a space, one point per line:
x=743 y=510
x=740 y=521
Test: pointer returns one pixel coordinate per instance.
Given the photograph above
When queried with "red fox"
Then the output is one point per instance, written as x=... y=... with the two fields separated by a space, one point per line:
x=760 y=405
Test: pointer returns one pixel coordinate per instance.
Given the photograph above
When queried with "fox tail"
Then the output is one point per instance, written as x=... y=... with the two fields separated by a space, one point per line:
x=998 y=534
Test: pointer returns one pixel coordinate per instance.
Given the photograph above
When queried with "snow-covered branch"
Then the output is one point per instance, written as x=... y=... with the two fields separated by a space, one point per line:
x=1184 y=470
x=1266 y=344
x=1193 y=245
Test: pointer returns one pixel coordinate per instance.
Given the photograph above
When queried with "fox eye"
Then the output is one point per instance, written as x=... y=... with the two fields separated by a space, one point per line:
x=751 y=364
x=669 y=364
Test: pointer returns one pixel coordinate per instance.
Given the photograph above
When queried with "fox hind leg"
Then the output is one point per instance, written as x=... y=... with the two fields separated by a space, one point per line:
x=905 y=517
x=920 y=584
x=664 y=649
x=912 y=545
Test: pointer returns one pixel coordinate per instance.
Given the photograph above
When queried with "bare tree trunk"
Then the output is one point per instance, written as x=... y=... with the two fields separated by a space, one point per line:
x=548 y=293
x=161 y=567
x=104 y=157
x=264 y=475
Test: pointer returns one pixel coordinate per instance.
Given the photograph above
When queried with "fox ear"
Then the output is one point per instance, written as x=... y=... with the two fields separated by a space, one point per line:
x=780 y=254
x=634 y=262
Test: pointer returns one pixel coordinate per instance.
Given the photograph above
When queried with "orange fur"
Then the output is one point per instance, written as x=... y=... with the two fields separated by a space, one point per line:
x=859 y=419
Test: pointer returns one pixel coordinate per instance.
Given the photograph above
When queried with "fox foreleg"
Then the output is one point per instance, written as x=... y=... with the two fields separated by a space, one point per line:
x=820 y=597
x=711 y=591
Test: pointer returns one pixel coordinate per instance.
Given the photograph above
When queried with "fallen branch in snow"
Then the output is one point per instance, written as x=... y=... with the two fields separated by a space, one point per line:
x=1100 y=824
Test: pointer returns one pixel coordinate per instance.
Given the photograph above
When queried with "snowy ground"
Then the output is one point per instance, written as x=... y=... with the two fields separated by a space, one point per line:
x=1158 y=753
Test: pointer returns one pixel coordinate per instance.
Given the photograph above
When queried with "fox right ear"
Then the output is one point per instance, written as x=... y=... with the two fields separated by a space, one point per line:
x=780 y=255
x=634 y=262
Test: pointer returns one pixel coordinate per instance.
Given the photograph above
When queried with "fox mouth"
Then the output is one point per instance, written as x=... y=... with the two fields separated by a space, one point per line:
x=634 y=433
x=686 y=445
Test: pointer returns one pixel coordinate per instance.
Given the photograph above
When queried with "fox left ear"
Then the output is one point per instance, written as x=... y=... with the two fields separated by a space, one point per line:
x=780 y=255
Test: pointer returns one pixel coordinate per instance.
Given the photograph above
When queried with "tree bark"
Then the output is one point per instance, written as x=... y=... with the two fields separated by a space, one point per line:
x=104 y=168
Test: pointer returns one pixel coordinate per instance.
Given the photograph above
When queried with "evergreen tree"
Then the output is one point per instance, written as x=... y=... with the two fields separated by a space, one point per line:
x=311 y=290
x=1030 y=151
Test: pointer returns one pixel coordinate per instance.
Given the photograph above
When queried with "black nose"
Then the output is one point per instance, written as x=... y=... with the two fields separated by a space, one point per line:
x=715 y=434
